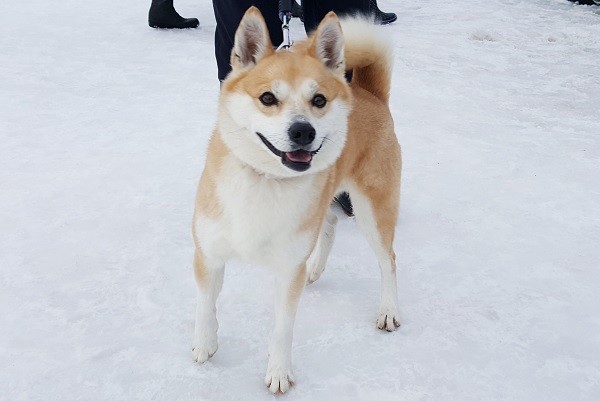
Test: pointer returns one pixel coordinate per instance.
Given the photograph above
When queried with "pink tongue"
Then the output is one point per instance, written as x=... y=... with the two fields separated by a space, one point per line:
x=299 y=156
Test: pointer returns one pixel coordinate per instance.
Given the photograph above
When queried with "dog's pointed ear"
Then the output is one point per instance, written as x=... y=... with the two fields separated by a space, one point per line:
x=328 y=43
x=252 y=41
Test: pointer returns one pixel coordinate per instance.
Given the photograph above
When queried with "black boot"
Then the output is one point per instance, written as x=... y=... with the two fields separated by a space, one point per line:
x=380 y=17
x=163 y=15
x=587 y=2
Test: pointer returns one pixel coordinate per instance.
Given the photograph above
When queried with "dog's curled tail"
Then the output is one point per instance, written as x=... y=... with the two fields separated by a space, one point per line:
x=369 y=54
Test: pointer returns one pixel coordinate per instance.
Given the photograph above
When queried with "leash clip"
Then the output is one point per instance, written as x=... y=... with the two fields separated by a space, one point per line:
x=285 y=27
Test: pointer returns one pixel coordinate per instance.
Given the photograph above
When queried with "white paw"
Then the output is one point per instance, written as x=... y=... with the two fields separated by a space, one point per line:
x=279 y=380
x=317 y=261
x=203 y=349
x=388 y=319
x=314 y=271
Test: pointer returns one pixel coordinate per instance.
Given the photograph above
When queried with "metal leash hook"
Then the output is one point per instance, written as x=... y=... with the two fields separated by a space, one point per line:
x=285 y=14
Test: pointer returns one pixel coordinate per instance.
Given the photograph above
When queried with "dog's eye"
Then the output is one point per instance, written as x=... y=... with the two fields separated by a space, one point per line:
x=319 y=101
x=268 y=99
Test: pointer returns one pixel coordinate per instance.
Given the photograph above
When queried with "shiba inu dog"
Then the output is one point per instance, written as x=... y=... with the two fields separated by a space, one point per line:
x=291 y=133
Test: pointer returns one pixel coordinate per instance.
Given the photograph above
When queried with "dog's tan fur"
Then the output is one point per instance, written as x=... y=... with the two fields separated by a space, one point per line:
x=370 y=162
x=371 y=157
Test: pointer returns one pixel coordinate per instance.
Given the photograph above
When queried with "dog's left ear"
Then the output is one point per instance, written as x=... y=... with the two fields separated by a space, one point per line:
x=328 y=43
x=252 y=41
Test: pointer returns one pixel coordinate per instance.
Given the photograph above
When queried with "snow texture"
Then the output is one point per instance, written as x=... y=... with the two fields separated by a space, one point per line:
x=103 y=129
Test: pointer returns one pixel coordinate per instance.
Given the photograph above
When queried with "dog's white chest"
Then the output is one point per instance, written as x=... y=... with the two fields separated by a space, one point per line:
x=262 y=217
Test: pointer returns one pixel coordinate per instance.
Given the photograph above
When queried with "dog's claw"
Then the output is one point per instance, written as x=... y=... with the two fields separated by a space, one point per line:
x=387 y=322
x=202 y=354
x=313 y=276
x=279 y=383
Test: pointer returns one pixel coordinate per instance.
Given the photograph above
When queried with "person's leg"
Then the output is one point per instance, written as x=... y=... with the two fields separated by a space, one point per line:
x=228 y=14
x=315 y=10
x=162 y=14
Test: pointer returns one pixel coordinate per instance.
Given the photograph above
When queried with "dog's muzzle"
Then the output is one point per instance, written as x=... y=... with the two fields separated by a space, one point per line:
x=297 y=160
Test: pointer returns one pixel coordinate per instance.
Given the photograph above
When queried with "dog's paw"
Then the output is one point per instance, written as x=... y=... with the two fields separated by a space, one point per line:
x=315 y=265
x=314 y=272
x=388 y=319
x=279 y=380
x=204 y=349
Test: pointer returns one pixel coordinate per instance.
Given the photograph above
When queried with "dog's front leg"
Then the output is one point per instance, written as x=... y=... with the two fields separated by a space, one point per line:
x=288 y=288
x=209 y=278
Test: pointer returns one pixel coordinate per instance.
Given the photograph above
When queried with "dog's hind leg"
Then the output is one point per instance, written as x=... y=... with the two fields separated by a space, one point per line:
x=289 y=285
x=209 y=278
x=315 y=265
x=376 y=212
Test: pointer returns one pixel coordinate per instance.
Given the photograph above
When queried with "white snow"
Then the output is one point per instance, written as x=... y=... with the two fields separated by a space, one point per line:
x=103 y=127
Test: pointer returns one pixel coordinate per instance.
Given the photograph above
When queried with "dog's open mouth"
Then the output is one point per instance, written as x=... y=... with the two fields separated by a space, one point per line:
x=298 y=160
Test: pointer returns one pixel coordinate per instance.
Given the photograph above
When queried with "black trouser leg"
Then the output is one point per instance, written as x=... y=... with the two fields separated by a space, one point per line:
x=228 y=14
x=316 y=10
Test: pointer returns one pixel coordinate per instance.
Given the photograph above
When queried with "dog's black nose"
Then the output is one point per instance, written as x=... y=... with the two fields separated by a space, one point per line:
x=302 y=133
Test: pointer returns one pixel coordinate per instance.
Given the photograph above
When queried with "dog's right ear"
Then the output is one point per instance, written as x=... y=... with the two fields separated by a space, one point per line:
x=328 y=43
x=252 y=41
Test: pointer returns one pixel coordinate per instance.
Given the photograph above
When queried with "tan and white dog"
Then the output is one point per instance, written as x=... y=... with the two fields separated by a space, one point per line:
x=291 y=133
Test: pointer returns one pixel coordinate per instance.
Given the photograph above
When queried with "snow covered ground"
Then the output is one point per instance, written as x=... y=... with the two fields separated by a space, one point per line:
x=103 y=127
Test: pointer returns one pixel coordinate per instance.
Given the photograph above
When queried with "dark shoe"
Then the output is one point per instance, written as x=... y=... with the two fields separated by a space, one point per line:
x=385 y=18
x=382 y=18
x=343 y=199
x=587 y=2
x=163 y=15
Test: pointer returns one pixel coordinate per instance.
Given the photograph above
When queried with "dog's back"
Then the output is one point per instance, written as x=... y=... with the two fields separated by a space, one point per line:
x=369 y=55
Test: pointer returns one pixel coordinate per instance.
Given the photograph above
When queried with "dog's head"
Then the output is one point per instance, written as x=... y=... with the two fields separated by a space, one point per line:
x=285 y=113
